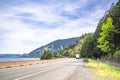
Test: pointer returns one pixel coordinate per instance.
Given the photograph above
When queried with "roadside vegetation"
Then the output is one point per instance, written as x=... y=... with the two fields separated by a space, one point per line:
x=104 y=71
x=47 y=55
x=104 y=44
x=105 y=41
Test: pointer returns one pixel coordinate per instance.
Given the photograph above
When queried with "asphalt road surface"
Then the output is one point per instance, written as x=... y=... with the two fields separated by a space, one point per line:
x=71 y=69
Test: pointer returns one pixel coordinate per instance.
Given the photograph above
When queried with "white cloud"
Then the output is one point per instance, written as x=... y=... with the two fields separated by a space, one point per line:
x=18 y=36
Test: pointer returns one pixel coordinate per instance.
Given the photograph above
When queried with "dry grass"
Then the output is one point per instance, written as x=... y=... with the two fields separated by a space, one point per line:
x=27 y=63
x=103 y=70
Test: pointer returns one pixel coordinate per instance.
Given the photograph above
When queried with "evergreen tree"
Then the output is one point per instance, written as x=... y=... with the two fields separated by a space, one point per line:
x=105 y=41
x=87 y=46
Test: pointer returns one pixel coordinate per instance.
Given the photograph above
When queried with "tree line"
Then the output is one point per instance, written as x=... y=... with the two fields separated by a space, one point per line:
x=105 y=41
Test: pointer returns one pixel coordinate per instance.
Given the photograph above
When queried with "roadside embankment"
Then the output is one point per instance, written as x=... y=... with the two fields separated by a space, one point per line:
x=105 y=71
x=26 y=63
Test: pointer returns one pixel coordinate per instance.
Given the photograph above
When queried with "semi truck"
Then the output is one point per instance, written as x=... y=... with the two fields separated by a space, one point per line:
x=77 y=56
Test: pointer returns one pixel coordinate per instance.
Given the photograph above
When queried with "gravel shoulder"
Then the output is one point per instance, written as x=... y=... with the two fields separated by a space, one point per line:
x=83 y=73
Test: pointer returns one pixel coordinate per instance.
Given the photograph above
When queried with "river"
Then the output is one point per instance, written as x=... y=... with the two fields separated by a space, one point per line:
x=17 y=59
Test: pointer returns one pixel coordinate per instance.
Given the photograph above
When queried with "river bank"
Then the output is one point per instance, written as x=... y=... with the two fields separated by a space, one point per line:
x=26 y=63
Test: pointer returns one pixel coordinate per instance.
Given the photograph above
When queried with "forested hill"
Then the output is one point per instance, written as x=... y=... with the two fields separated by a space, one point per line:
x=105 y=42
x=53 y=46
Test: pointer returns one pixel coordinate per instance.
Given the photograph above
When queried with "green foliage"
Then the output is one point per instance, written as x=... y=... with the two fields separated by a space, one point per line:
x=47 y=55
x=104 y=41
x=117 y=53
x=87 y=46
x=75 y=48
x=72 y=49
x=106 y=37
x=57 y=54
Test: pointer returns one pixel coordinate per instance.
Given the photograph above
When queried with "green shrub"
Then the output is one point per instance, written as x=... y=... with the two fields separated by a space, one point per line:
x=117 y=53
x=57 y=54
x=47 y=55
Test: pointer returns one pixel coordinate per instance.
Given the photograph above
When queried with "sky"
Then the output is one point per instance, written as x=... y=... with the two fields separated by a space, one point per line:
x=28 y=24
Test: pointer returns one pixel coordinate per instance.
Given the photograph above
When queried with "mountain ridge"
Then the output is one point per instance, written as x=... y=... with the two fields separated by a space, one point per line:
x=53 y=46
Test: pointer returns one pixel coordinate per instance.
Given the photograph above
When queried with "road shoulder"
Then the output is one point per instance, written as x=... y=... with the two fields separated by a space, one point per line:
x=83 y=73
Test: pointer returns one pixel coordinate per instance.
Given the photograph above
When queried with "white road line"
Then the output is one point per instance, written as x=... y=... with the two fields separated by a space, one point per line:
x=36 y=73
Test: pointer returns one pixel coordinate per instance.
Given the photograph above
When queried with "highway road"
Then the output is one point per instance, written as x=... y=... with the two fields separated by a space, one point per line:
x=63 y=70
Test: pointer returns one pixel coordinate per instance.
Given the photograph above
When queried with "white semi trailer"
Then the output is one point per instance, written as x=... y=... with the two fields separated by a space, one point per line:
x=77 y=56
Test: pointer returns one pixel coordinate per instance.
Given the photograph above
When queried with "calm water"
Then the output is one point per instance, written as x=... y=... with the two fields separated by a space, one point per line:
x=17 y=59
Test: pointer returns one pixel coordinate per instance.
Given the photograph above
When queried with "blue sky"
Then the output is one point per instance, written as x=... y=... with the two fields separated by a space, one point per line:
x=28 y=24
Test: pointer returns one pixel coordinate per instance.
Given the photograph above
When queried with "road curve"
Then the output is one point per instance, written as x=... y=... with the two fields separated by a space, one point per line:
x=63 y=70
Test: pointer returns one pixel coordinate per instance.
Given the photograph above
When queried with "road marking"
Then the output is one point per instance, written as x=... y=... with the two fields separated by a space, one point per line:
x=37 y=73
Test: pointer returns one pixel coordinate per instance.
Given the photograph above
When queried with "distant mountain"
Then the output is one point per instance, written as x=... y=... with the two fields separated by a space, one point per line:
x=53 y=46
x=10 y=55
